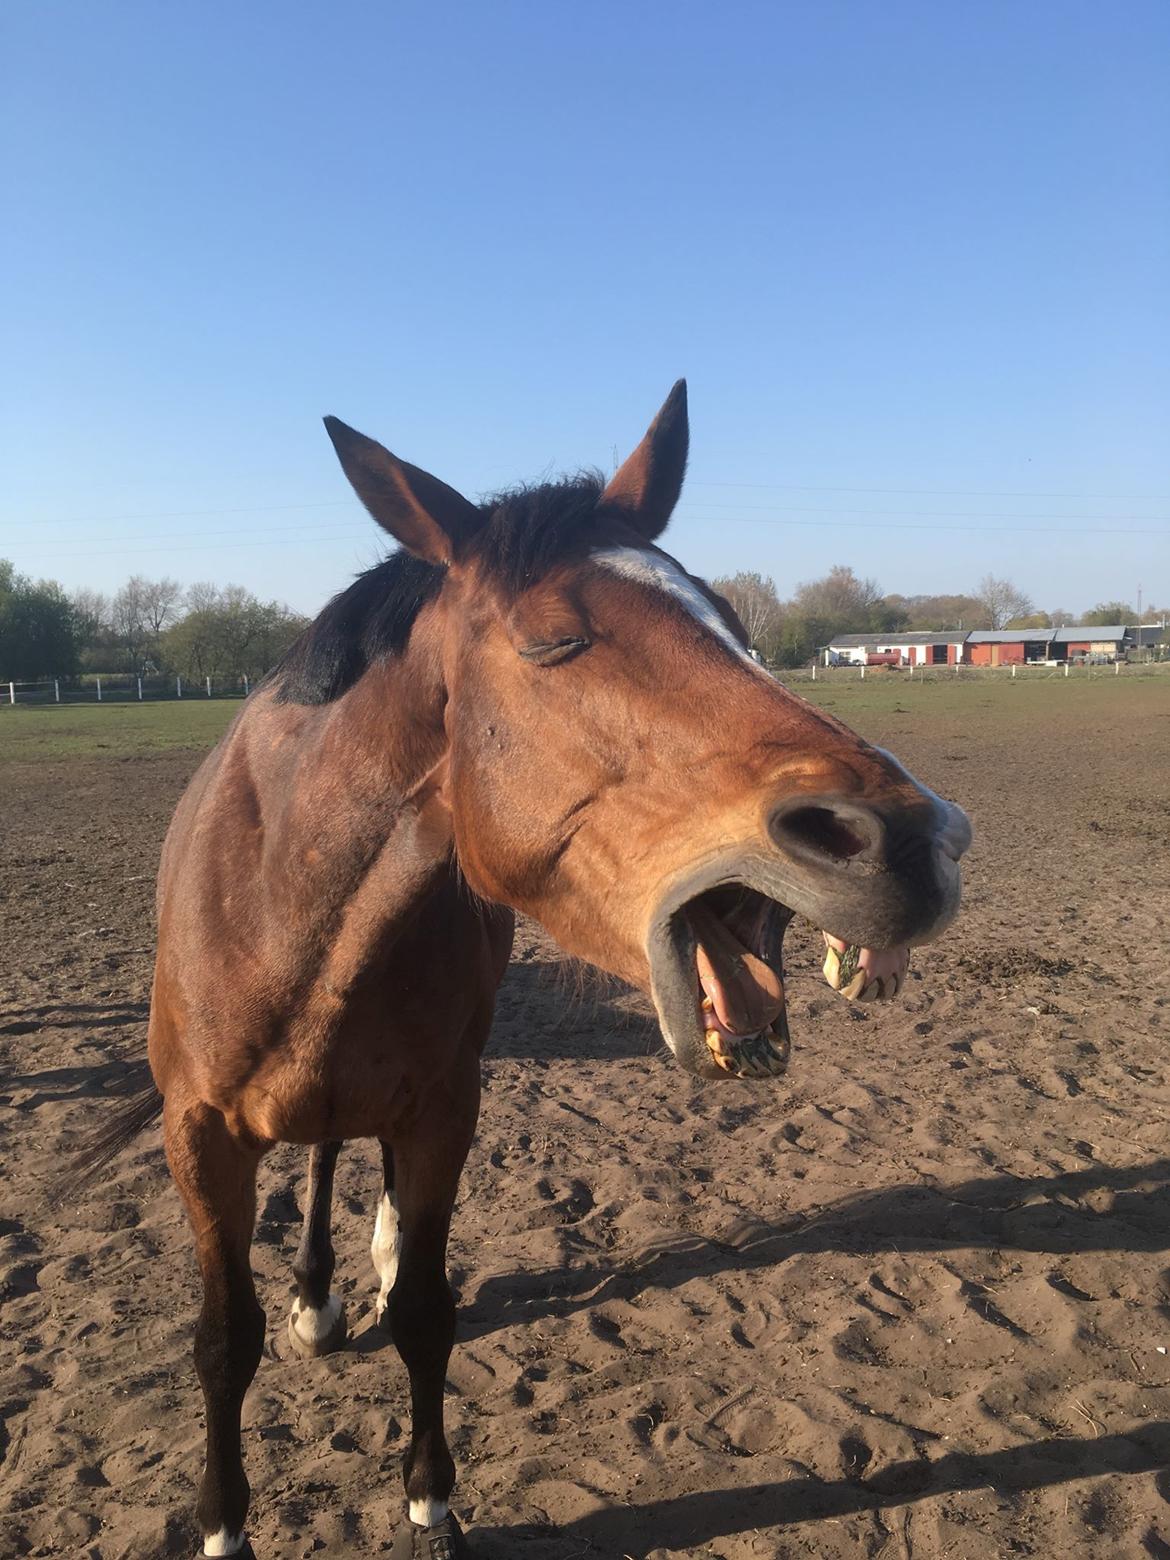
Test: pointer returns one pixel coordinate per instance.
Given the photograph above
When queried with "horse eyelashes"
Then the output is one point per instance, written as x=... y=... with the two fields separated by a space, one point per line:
x=555 y=651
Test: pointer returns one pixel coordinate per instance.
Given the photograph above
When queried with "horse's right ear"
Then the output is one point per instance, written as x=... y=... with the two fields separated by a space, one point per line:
x=430 y=519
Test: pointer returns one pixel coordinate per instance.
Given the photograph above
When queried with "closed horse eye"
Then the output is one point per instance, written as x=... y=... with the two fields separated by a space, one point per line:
x=554 y=650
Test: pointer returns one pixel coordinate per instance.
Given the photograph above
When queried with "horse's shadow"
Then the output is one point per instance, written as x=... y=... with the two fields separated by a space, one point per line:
x=705 y=1516
x=554 y=1010
x=1027 y=1214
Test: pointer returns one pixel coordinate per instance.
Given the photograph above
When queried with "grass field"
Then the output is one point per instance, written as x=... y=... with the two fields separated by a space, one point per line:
x=878 y=707
x=55 y=731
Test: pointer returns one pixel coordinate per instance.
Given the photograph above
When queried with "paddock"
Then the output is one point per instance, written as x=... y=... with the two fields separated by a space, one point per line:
x=910 y=1302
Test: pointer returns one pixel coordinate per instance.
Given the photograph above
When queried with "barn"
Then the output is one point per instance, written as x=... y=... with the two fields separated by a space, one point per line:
x=1008 y=646
x=1091 y=642
x=941 y=648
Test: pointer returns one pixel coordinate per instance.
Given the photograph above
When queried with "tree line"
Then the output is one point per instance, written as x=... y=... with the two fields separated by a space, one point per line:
x=148 y=626
x=790 y=632
x=205 y=630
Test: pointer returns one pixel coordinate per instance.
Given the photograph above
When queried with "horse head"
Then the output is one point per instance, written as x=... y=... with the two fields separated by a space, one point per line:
x=619 y=767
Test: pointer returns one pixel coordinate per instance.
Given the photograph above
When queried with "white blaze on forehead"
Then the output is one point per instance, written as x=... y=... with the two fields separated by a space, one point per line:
x=656 y=572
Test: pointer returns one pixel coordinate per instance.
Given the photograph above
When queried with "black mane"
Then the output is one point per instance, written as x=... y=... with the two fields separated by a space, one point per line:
x=525 y=532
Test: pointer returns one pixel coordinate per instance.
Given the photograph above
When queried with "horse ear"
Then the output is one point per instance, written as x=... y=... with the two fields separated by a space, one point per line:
x=647 y=486
x=430 y=519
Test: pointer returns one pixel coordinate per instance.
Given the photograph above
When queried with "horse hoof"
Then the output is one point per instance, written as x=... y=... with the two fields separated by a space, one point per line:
x=313 y=1333
x=245 y=1553
x=444 y=1541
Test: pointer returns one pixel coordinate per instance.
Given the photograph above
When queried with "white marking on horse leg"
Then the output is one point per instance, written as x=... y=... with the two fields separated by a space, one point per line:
x=428 y=1512
x=312 y=1327
x=223 y=1543
x=386 y=1248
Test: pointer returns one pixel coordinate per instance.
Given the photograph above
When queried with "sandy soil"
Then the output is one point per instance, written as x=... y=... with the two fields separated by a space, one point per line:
x=913 y=1305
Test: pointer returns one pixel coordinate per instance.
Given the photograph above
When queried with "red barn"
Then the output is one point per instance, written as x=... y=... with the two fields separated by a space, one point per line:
x=1007 y=646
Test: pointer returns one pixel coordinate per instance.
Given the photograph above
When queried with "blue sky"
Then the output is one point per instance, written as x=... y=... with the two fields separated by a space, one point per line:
x=913 y=259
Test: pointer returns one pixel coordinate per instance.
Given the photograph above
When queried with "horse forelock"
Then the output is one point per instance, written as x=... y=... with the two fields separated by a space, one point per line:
x=525 y=533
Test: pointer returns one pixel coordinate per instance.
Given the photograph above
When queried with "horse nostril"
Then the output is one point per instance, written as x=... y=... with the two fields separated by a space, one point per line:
x=825 y=830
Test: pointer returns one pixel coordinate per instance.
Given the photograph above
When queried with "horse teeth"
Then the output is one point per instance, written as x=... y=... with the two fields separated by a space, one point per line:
x=856 y=986
x=832 y=969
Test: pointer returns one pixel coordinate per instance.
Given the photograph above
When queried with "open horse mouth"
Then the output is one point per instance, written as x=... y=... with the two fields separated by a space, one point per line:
x=737 y=947
x=715 y=941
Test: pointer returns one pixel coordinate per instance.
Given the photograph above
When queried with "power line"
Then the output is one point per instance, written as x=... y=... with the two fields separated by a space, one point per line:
x=778 y=487
x=192 y=514
x=797 y=487
x=129 y=545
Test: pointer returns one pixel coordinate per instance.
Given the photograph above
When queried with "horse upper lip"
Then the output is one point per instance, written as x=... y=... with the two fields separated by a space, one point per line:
x=954 y=838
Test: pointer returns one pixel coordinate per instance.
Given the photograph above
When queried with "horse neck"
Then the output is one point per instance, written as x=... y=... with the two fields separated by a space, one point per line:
x=346 y=786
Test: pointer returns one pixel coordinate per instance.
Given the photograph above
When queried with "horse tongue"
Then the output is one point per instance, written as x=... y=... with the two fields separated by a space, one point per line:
x=745 y=993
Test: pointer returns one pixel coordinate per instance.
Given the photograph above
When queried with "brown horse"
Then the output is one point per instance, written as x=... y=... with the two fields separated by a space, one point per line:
x=528 y=707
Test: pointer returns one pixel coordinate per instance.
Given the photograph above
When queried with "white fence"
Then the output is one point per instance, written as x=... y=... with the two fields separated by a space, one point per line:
x=121 y=688
x=1032 y=671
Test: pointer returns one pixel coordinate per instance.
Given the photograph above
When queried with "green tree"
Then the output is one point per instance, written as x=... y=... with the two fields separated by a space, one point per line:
x=927 y=613
x=228 y=632
x=1110 y=612
x=1031 y=620
x=38 y=631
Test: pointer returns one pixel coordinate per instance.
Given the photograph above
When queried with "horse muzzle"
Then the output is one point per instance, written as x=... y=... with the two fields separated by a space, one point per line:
x=876 y=880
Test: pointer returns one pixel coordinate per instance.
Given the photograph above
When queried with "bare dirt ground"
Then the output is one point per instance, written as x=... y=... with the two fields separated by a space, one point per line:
x=914 y=1304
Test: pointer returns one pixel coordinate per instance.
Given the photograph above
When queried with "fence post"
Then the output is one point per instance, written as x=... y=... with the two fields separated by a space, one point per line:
x=208 y=687
x=863 y=671
x=140 y=690
x=1116 y=668
x=246 y=681
x=1066 y=666
x=99 y=688
x=56 y=691
x=12 y=693
x=1013 y=668
x=178 y=687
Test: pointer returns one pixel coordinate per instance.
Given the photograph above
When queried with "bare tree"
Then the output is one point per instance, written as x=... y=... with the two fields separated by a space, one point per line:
x=91 y=613
x=839 y=597
x=161 y=602
x=1002 y=601
x=139 y=613
x=756 y=604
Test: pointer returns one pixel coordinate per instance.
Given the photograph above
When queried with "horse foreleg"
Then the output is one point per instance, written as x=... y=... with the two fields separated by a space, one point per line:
x=317 y=1324
x=216 y=1176
x=421 y=1308
x=386 y=1246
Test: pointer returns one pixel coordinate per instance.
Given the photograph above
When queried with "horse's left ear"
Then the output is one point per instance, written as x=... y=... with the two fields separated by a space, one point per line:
x=648 y=485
